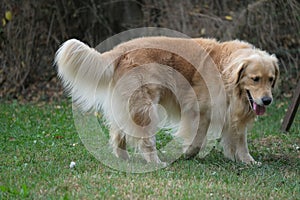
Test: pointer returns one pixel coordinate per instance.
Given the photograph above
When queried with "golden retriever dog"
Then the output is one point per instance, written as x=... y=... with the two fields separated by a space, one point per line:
x=132 y=82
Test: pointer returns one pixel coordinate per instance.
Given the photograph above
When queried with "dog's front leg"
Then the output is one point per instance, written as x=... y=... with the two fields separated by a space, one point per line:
x=234 y=141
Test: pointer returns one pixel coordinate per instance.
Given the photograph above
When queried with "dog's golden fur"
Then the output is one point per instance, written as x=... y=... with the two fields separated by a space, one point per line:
x=94 y=80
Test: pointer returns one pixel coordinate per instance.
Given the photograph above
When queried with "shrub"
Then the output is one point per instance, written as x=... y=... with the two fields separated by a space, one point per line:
x=31 y=32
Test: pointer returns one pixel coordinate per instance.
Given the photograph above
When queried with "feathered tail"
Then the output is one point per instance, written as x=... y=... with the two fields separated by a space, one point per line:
x=85 y=73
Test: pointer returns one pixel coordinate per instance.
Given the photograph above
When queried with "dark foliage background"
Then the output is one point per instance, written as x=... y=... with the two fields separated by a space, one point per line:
x=30 y=37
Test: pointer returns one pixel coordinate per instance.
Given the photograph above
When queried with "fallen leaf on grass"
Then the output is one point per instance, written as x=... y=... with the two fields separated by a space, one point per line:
x=280 y=104
x=58 y=137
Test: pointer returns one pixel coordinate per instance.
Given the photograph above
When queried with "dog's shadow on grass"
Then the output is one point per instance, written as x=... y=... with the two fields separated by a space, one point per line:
x=215 y=162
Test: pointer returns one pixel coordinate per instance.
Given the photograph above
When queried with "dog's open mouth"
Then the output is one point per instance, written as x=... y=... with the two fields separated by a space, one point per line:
x=258 y=109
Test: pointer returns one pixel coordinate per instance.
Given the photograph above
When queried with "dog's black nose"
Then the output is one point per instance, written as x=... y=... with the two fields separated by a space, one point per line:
x=266 y=100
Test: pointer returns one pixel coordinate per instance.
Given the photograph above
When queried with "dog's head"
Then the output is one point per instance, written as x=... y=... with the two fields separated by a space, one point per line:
x=255 y=76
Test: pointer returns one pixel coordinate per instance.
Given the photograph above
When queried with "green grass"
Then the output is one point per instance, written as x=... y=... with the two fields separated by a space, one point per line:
x=38 y=142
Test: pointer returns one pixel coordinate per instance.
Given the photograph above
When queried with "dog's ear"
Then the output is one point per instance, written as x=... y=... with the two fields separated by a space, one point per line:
x=240 y=72
x=235 y=72
x=277 y=72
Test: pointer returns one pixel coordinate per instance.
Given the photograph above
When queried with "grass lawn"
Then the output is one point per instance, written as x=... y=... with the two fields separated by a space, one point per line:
x=38 y=142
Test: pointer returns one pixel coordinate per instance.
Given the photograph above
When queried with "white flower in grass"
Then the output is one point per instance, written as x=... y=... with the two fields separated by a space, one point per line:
x=72 y=165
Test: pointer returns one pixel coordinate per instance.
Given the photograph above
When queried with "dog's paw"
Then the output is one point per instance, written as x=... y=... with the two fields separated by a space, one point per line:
x=247 y=159
x=158 y=163
x=255 y=163
x=191 y=152
x=163 y=164
x=252 y=162
x=122 y=154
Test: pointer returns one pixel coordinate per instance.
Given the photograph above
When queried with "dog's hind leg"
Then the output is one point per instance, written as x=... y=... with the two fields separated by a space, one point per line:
x=147 y=147
x=145 y=119
x=195 y=139
x=118 y=143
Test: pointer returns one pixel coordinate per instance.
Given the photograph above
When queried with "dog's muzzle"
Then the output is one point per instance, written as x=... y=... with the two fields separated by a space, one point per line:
x=257 y=108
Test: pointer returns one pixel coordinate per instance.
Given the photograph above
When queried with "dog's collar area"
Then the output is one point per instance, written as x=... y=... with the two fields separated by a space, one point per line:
x=258 y=109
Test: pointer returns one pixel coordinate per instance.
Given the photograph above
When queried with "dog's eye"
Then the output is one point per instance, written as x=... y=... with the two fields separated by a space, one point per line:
x=271 y=79
x=256 y=79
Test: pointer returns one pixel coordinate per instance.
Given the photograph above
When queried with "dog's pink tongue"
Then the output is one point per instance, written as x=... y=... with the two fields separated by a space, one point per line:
x=259 y=110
